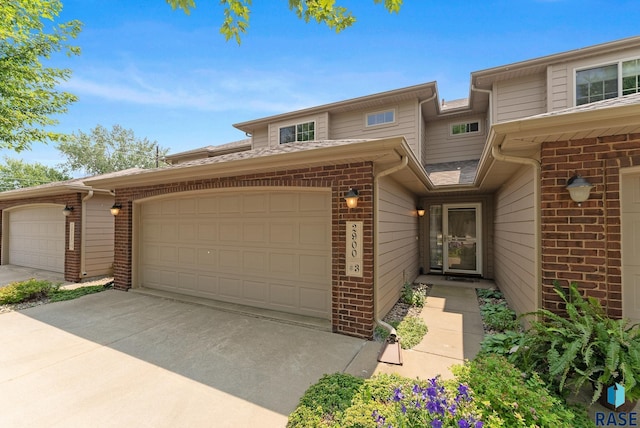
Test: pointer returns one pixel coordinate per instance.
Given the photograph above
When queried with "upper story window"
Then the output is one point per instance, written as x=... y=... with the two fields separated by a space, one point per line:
x=381 y=118
x=465 y=128
x=299 y=132
x=607 y=81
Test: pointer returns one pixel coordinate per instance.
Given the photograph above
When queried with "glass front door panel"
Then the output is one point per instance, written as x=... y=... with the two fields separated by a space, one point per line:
x=435 y=238
x=461 y=230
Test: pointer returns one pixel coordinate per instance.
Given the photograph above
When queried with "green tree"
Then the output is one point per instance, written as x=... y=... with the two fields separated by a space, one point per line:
x=28 y=94
x=103 y=151
x=16 y=174
x=236 y=13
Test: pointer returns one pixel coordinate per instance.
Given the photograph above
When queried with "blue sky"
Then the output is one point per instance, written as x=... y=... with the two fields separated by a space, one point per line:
x=172 y=78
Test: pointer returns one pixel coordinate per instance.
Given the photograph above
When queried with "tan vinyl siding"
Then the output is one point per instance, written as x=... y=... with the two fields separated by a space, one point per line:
x=98 y=236
x=562 y=76
x=519 y=98
x=441 y=147
x=514 y=241
x=321 y=127
x=260 y=139
x=353 y=124
x=397 y=243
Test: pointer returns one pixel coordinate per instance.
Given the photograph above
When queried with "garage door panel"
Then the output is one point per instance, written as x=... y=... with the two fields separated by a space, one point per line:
x=36 y=237
x=313 y=300
x=231 y=232
x=255 y=232
x=255 y=248
x=255 y=204
x=313 y=233
x=313 y=265
x=282 y=233
x=256 y=291
x=230 y=288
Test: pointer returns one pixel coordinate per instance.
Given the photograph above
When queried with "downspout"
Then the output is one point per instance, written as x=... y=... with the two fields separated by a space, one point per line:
x=376 y=218
x=490 y=92
x=88 y=196
x=498 y=155
x=420 y=141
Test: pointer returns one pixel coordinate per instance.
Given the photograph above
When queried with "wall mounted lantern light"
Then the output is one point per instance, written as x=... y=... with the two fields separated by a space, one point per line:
x=115 y=209
x=351 y=198
x=420 y=211
x=579 y=189
x=67 y=210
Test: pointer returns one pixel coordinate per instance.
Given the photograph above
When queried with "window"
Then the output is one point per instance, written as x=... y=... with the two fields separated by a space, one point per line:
x=299 y=132
x=465 y=128
x=380 y=118
x=608 y=81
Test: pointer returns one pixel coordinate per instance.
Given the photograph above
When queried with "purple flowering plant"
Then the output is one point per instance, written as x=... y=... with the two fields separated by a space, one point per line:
x=431 y=405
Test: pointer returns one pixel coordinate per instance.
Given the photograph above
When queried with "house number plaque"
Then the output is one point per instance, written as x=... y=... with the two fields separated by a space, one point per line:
x=354 y=248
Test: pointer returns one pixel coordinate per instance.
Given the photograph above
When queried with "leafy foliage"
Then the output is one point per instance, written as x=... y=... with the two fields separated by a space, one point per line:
x=24 y=291
x=585 y=347
x=499 y=316
x=411 y=330
x=103 y=151
x=487 y=392
x=412 y=296
x=503 y=343
x=237 y=13
x=15 y=174
x=504 y=399
x=331 y=395
x=32 y=289
x=28 y=94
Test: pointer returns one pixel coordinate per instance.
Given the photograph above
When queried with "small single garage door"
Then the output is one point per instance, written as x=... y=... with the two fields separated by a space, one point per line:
x=36 y=237
x=266 y=248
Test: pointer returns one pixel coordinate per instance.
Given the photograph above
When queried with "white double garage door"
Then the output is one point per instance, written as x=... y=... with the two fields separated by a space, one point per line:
x=36 y=236
x=268 y=248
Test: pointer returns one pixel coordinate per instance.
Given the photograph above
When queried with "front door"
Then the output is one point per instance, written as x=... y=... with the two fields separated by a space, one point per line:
x=461 y=226
x=630 y=198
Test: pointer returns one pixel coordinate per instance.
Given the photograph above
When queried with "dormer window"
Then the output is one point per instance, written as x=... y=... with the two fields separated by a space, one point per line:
x=465 y=128
x=607 y=81
x=381 y=118
x=299 y=132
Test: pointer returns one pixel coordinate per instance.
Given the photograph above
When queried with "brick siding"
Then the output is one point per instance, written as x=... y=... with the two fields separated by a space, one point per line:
x=71 y=257
x=582 y=244
x=352 y=297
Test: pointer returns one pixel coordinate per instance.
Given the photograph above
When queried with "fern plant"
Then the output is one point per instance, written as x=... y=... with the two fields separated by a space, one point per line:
x=585 y=347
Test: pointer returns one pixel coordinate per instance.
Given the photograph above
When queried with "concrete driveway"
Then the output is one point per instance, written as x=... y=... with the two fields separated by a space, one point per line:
x=117 y=359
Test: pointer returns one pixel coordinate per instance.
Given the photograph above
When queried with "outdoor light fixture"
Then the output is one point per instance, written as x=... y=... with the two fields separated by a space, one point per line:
x=351 y=198
x=579 y=189
x=115 y=209
x=67 y=210
x=420 y=211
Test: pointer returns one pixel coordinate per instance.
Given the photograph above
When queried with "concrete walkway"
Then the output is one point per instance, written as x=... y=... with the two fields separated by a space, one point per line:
x=452 y=316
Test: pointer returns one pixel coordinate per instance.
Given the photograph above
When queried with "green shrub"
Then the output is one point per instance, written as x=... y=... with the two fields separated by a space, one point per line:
x=325 y=400
x=498 y=316
x=585 y=347
x=411 y=330
x=505 y=343
x=412 y=297
x=25 y=291
x=489 y=293
x=505 y=399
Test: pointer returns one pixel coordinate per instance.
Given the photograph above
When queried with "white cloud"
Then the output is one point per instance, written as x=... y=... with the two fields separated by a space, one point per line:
x=264 y=92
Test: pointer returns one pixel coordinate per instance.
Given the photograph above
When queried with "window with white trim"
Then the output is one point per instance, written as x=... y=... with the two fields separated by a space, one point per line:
x=381 y=117
x=607 y=81
x=465 y=128
x=299 y=132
